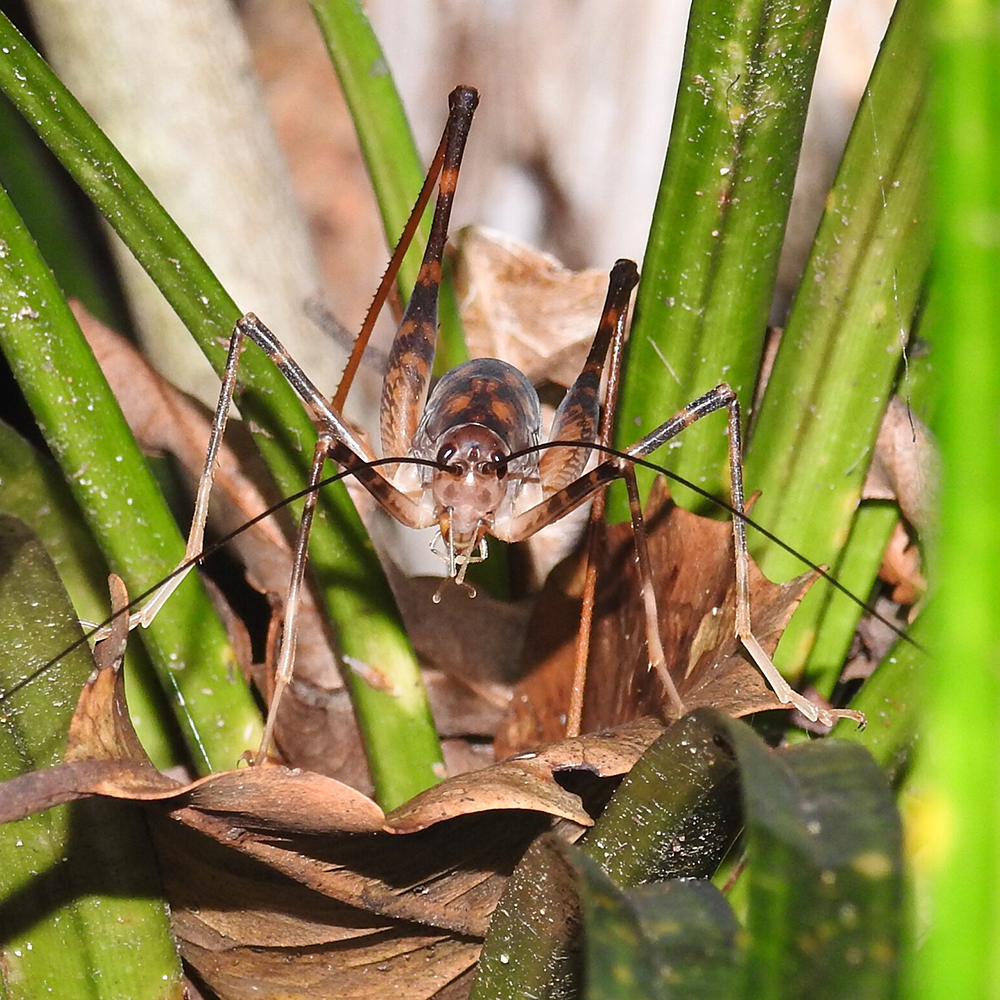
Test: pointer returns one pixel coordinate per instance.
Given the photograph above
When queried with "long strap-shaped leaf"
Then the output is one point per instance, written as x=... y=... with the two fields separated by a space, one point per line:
x=712 y=256
x=64 y=933
x=84 y=426
x=958 y=775
x=32 y=489
x=831 y=381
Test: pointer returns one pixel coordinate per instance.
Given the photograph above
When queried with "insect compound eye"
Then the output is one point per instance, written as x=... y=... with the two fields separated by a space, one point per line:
x=444 y=457
x=499 y=464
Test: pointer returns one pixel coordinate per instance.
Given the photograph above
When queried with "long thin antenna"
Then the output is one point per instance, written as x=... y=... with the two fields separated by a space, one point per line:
x=201 y=557
x=719 y=502
x=612 y=452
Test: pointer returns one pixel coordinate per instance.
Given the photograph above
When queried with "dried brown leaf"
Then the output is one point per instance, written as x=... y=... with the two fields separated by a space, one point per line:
x=410 y=966
x=694 y=575
x=527 y=780
x=906 y=466
x=448 y=876
x=901 y=567
x=478 y=638
x=104 y=757
x=524 y=306
x=37 y=790
x=692 y=560
x=100 y=728
x=250 y=931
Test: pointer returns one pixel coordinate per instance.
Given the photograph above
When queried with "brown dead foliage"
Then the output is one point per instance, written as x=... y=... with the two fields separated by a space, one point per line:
x=692 y=560
x=901 y=567
x=906 y=466
x=524 y=306
x=286 y=882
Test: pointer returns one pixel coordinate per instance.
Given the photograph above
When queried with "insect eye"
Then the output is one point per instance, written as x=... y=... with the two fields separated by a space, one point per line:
x=445 y=455
x=499 y=464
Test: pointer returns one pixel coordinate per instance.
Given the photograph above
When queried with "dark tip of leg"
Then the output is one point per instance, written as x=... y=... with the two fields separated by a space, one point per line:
x=466 y=98
x=625 y=274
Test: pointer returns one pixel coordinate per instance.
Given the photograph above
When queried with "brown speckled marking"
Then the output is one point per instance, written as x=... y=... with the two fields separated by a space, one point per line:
x=429 y=274
x=503 y=411
x=484 y=391
x=449 y=180
x=456 y=405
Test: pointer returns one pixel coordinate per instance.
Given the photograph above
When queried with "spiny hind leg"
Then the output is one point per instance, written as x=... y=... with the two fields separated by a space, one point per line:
x=576 y=492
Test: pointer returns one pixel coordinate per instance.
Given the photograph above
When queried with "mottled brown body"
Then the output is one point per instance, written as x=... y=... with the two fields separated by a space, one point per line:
x=484 y=391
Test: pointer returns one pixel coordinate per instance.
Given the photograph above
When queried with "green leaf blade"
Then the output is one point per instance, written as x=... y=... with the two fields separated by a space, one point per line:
x=84 y=426
x=676 y=812
x=668 y=940
x=957 y=780
x=80 y=913
x=824 y=871
x=847 y=329
x=32 y=489
x=674 y=816
x=710 y=264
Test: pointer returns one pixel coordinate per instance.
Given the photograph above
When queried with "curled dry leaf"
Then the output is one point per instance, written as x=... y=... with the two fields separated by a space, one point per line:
x=693 y=572
x=478 y=638
x=524 y=306
x=270 y=870
x=251 y=931
x=873 y=639
x=527 y=779
x=906 y=466
x=901 y=568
